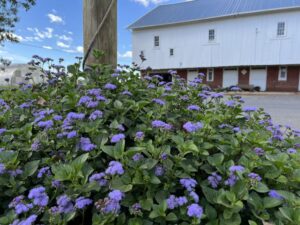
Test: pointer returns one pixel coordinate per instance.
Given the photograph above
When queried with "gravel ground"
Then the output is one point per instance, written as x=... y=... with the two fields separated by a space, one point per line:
x=284 y=109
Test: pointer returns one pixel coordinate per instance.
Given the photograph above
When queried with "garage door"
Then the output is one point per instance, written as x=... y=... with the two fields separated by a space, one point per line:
x=258 y=77
x=230 y=78
x=192 y=74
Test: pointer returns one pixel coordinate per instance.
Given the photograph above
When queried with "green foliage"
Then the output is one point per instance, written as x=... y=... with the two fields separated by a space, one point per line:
x=214 y=147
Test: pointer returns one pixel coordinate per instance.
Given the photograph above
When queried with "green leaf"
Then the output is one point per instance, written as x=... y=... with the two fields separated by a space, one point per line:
x=251 y=222
x=216 y=159
x=171 y=217
x=146 y=204
x=271 y=202
x=149 y=164
x=119 y=149
x=261 y=188
x=296 y=175
x=30 y=168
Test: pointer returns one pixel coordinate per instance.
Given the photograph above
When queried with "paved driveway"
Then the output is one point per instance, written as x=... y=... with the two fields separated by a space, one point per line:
x=284 y=109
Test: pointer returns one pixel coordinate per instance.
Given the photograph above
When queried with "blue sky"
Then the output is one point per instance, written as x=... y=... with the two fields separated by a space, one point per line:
x=53 y=28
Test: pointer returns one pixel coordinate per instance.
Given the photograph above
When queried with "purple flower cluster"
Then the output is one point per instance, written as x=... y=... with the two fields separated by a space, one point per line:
x=188 y=183
x=232 y=179
x=65 y=204
x=161 y=124
x=158 y=101
x=39 y=196
x=82 y=202
x=195 y=210
x=110 y=86
x=2 y=168
x=139 y=135
x=275 y=194
x=29 y=221
x=174 y=202
x=291 y=151
x=254 y=177
x=43 y=171
x=117 y=138
x=192 y=127
x=137 y=157
x=193 y=108
x=128 y=93
x=20 y=206
x=46 y=124
x=99 y=178
x=249 y=109
x=96 y=115
x=214 y=180
x=86 y=144
x=159 y=170
x=112 y=204
x=259 y=151
x=114 y=168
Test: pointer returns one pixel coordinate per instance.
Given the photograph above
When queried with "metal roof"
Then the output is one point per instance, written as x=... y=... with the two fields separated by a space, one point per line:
x=208 y=9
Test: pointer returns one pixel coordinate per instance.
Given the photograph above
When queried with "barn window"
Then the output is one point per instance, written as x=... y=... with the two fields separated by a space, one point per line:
x=171 y=51
x=281 y=29
x=210 y=75
x=282 y=76
x=156 y=41
x=211 y=35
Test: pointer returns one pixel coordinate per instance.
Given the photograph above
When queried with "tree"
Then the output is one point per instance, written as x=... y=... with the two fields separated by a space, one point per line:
x=100 y=31
x=9 y=16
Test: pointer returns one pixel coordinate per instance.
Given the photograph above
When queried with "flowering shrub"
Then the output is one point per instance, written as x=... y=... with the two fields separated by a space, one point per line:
x=117 y=149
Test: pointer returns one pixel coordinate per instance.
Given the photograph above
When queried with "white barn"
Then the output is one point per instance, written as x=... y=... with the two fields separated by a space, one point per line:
x=234 y=42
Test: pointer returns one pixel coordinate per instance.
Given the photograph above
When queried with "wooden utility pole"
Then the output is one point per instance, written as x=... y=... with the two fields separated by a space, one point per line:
x=95 y=16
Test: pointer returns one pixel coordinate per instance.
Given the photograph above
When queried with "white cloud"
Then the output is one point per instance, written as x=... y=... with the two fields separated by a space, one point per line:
x=64 y=37
x=79 y=49
x=54 y=18
x=47 y=47
x=127 y=54
x=147 y=2
x=62 y=45
x=39 y=35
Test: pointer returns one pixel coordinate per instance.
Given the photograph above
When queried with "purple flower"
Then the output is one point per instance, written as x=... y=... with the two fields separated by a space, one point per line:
x=84 y=100
x=128 y=93
x=46 y=124
x=259 y=151
x=22 y=208
x=15 y=173
x=29 y=221
x=193 y=108
x=44 y=170
x=95 y=92
x=137 y=157
x=231 y=180
x=181 y=201
x=99 y=178
x=235 y=89
x=159 y=171
x=116 y=138
x=236 y=129
x=75 y=116
x=110 y=86
x=151 y=86
x=254 y=176
x=194 y=196
x=136 y=207
x=195 y=210
x=214 y=180
x=158 y=101
x=164 y=156
x=230 y=103
x=2 y=168
x=291 y=151
x=139 y=135
x=192 y=127
x=121 y=127
x=2 y=130
x=95 y=115
x=65 y=204
x=237 y=168
x=249 y=109
x=275 y=194
x=188 y=183
x=111 y=206
x=184 y=98
x=82 y=202
x=114 y=168
x=56 y=183
x=57 y=117
x=86 y=144
x=40 y=198
x=92 y=104
x=159 y=77
x=116 y=195
x=217 y=95
x=101 y=98
x=161 y=124
x=172 y=202
x=72 y=134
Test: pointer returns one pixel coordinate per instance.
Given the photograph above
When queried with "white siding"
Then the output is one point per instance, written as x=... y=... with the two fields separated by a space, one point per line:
x=239 y=41
x=258 y=77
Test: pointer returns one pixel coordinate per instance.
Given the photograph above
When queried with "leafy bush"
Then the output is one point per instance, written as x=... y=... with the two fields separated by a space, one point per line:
x=117 y=149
